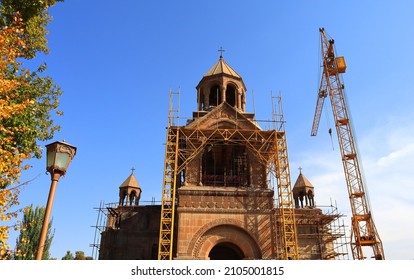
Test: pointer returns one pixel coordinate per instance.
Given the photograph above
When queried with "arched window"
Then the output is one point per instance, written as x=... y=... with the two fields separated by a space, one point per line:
x=133 y=198
x=122 y=195
x=215 y=96
x=231 y=95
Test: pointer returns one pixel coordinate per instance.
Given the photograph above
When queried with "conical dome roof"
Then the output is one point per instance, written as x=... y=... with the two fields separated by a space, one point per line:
x=221 y=67
x=302 y=181
x=131 y=181
x=303 y=190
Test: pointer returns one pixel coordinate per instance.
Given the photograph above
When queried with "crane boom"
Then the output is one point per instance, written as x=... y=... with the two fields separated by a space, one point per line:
x=319 y=106
x=364 y=232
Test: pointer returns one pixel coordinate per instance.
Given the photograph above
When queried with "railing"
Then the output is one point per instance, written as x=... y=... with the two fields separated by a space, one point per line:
x=224 y=180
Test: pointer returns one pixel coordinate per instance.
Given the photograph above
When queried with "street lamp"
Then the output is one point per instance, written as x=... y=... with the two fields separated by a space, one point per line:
x=59 y=155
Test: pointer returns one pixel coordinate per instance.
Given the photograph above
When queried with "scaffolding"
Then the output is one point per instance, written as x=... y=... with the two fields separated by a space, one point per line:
x=99 y=228
x=324 y=225
x=108 y=216
x=166 y=237
x=287 y=234
x=334 y=232
x=184 y=144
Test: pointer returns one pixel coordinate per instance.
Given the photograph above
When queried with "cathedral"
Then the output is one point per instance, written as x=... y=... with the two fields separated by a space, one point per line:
x=219 y=200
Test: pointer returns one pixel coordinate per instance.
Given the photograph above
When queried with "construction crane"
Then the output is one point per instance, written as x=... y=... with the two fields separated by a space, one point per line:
x=364 y=233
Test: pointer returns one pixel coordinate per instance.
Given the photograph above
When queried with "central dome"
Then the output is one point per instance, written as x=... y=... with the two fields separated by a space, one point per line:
x=221 y=84
x=221 y=67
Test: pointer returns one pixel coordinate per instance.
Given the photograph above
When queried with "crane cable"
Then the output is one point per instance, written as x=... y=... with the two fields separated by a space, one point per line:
x=328 y=122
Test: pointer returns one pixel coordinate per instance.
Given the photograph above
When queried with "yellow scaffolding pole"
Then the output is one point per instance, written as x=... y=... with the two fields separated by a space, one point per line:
x=288 y=234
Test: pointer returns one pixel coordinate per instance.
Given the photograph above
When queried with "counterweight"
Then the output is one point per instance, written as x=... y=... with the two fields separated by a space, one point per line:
x=364 y=232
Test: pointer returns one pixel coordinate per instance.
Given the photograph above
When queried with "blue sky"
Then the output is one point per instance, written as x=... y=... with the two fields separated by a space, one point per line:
x=117 y=61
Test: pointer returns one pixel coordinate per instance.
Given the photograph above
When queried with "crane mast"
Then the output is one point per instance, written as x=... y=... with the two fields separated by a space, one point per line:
x=364 y=232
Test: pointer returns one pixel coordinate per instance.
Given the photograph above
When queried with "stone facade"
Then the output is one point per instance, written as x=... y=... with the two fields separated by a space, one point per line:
x=238 y=221
x=131 y=233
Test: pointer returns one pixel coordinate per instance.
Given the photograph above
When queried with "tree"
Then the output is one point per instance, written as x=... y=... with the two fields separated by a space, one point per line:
x=28 y=240
x=35 y=16
x=27 y=99
x=68 y=256
x=79 y=255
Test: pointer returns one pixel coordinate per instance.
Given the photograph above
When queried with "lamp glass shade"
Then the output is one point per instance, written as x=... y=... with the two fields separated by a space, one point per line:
x=59 y=156
x=62 y=161
x=50 y=158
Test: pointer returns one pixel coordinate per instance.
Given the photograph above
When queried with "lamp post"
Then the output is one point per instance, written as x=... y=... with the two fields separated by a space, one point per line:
x=59 y=156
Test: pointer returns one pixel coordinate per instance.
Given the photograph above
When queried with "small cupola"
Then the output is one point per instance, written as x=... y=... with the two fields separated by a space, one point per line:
x=303 y=191
x=221 y=84
x=129 y=191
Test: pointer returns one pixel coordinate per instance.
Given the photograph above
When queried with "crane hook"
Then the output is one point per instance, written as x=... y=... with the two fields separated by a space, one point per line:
x=330 y=134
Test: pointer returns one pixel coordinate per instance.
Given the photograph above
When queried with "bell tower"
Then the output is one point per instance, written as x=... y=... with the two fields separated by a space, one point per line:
x=303 y=190
x=221 y=84
x=129 y=191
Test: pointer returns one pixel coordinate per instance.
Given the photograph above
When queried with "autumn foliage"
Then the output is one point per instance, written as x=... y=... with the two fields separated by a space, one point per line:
x=27 y=98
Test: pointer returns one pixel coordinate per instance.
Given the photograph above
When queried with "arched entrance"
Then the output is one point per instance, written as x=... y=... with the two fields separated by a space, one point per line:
x=226 y=251
x=223 y=239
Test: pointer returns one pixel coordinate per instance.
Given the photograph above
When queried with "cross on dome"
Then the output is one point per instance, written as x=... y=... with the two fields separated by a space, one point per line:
x=221 y=51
